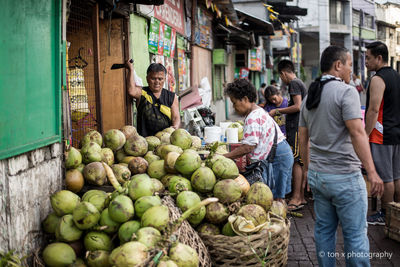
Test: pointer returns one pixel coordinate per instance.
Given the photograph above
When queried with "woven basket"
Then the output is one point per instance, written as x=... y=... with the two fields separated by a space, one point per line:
x=249 y=250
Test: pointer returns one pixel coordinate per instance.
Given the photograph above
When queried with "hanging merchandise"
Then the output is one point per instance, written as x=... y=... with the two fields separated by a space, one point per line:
x=153 y=35
x=77 y=91
x=244 y=73
x=167 y=40
x=255 y=59
x=181 y=68
x=161 y=39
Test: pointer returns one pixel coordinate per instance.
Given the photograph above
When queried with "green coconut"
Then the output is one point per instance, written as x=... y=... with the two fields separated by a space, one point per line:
x=159 y=149
x=92 y=136
x=50 y=223
x=148 y=236
x=169 y=162
x=136 y=146
x=166 y=178
x=254 y=213
x=58 y=254
x=170 y=148
x=212 y=159
x=98 y=258
x=227 y=230
x=166 y=263
x=107 y=156
x=138 y=165
x=183 y=255
x=114 y=139
x=144 y=203
x=169 y=130
x=96 y=197
x=197 y=217
x=208 y=229
x=120 y=155
x=164 y=137
x=216 y=213
x=227 y=191
x=91 y=152
x=150 y=157
x=260 y=194
x=196 y=142
x=188 y=162
x=187 y=199
x=157 y=217
x=78 y=263
x=85 y=215
x=129 y=254
x=128 y=131
x=66 y=230
x=121 y=209
x=181 y=138
x=126 y=231
x=80 y=167
x=178 y=184
x=140 y=185
x=73 y=158
x=157 y=185
x=94 y=173
x=105 y=220
x=153 y=142
x=156 y=169
x=97 y=241
x=64 y=202
x=122 y=173
x=203 y=180
x=225 y=168
x=278 y=208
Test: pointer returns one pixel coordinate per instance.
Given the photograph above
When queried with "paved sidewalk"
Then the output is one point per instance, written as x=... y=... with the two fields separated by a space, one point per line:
x=302 y=251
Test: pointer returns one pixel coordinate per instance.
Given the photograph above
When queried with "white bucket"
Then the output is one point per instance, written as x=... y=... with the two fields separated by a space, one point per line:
x=224 y=126
x=232 y=135
x=212 y=134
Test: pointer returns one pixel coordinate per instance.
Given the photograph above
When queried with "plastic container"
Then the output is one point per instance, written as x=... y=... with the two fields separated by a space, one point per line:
x=212 y=134
x=224 y=125
x=232 y=135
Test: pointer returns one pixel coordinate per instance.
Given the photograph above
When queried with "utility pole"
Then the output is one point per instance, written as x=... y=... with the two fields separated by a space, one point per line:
x=360 y=56
x=298 y=44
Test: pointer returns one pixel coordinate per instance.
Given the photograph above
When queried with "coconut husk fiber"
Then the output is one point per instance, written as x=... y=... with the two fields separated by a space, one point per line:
x=261 y=249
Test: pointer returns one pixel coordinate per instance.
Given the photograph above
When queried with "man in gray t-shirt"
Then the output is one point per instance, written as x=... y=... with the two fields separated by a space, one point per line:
x=332 y=143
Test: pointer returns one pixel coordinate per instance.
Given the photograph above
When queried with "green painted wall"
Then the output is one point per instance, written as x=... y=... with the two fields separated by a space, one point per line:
x=30 y=75
x=365 y=33
x=139 y=45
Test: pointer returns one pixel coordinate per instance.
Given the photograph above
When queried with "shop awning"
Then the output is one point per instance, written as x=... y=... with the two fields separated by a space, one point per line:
x=235 y=36
x=250 y=23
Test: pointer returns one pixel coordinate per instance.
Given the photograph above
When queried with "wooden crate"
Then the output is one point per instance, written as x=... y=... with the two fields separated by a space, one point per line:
x=392 y=228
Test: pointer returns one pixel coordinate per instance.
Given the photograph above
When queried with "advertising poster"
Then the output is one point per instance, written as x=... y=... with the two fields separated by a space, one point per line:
x=181 y=68
x=244 y=73
x=167 y=40
x=160 y=49
x=169 y=65
x=255 y=59
x=173 y=42
x=153 y=35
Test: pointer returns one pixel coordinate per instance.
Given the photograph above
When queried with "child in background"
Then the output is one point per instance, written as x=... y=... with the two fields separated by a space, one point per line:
x=274 y=100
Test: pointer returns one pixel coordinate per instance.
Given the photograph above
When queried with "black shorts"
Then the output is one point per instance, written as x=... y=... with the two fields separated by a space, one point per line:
x=293 y=140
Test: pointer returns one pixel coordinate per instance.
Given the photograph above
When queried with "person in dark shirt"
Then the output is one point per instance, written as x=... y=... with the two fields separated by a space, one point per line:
x=297 y=91
x=275 y=100
x=157 y=108
x=382 y=124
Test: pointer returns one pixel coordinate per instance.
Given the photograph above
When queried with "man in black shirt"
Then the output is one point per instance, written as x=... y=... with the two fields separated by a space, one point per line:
x=297 y=92
x=157 y=107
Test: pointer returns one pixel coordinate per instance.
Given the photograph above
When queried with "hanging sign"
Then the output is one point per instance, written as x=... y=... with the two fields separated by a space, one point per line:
x=171 y=13
x=255 y=59
x=161 y=39
x=153 y=35
x=167 y=40
x=173 y=42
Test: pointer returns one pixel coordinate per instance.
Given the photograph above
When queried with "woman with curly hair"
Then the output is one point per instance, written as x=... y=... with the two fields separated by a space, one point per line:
x=258 y=136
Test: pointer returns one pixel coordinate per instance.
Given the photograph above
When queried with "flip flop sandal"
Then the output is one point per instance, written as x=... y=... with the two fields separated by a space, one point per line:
x=294 y=207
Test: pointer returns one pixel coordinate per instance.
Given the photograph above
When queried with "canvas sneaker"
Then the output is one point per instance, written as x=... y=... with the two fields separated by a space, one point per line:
x=376 y=219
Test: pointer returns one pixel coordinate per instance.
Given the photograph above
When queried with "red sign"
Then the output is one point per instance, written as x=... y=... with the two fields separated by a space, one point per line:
x=171 y=13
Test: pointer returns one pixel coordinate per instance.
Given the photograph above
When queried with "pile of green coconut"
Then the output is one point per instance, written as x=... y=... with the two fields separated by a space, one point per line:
x=123 y=228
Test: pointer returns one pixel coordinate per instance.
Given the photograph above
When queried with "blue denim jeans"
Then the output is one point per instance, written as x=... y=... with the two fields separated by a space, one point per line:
x=282 y=169
x=340 y=198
